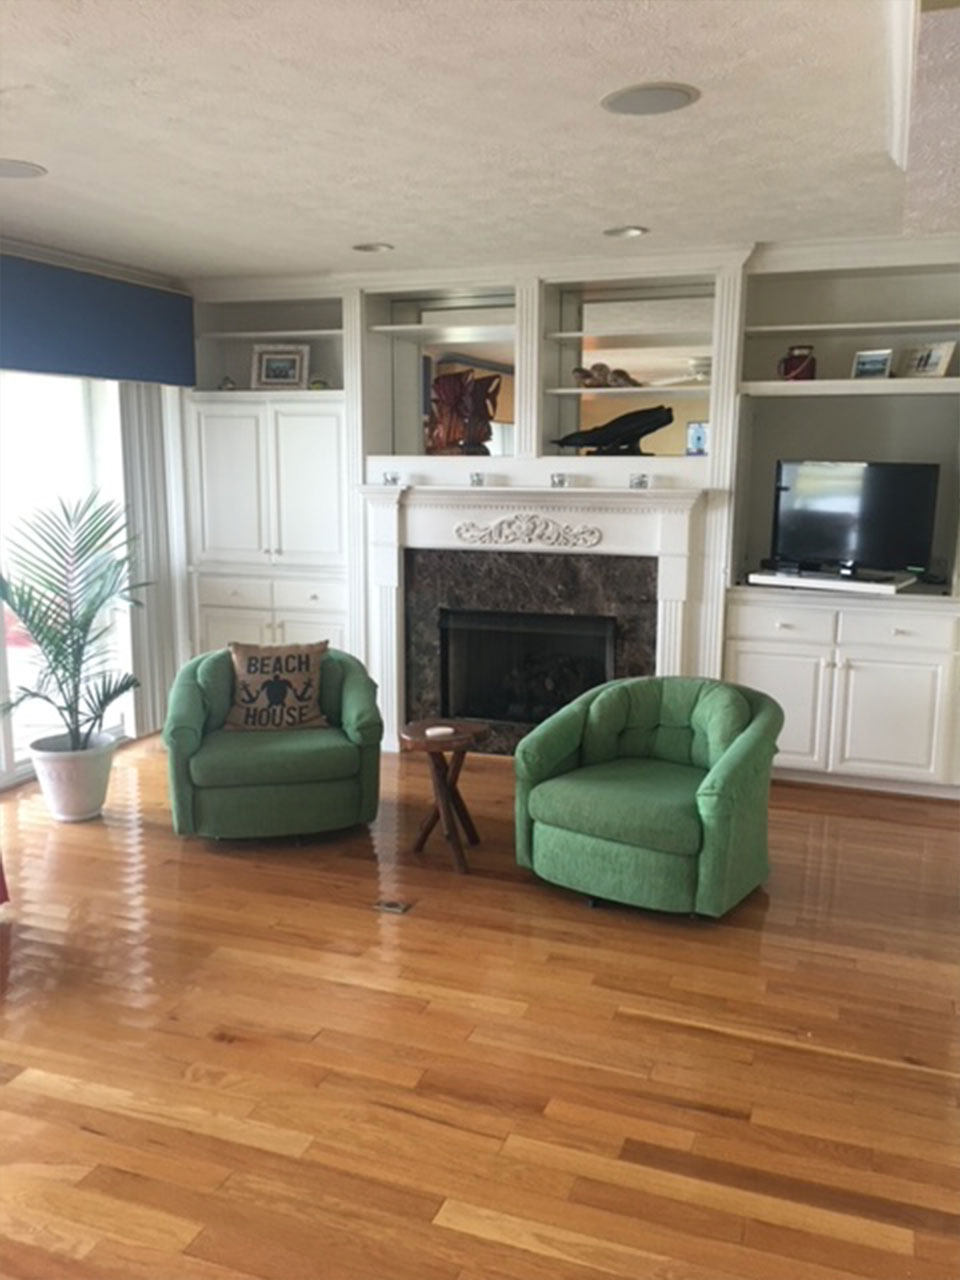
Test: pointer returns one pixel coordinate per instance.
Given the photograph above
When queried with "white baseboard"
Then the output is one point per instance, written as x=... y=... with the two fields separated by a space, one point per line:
x=929 y=790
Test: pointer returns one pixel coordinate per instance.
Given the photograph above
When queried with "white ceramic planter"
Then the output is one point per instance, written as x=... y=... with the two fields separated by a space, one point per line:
x=74 y=783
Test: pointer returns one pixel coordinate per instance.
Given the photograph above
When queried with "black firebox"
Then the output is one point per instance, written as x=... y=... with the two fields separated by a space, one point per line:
x=520 y=667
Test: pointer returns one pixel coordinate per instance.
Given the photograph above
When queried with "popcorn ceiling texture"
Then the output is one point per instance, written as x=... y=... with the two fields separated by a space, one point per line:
x=933 y=158
x=228 y=137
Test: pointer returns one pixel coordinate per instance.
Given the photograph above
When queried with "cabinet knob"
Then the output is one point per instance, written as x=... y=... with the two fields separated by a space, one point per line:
x=314 y=596
x=277 y=551
x=899 y=631
x=784 y=626
x=234 y=593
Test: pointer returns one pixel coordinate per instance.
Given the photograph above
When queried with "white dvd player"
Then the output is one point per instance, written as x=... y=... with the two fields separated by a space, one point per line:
x=878 y=584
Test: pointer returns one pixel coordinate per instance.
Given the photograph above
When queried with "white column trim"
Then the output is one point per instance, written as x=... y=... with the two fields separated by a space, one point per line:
x=354 y=509
x=670 y=637
x=173 y=406
x=385 y=658
x=715 y=520
x=526 y=396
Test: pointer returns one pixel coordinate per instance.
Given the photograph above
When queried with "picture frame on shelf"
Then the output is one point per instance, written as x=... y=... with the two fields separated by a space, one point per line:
x=698 y=438
x=873 y=364
x=929 y=360
x=280 y=366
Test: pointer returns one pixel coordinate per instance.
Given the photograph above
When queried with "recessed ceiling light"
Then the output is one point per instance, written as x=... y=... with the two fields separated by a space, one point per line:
x=374 y=246
x=21 y=169
x=626 y=233
x=649 y=99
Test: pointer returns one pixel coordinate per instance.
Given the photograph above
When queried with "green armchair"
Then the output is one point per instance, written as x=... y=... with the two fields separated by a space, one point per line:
x=226 y=783
x=651 y=792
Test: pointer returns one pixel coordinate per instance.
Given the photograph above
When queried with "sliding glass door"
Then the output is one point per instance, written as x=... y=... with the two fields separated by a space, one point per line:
x=60 y=437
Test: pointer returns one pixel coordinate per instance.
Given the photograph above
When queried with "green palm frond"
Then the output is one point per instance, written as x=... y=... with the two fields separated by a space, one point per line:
x=99 y=694
x=69 y=565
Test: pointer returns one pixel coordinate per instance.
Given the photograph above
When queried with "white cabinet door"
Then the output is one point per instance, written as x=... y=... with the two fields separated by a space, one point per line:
x=307 y=493
x=228 y=459
x=218 y=627
x=308 y=628
x=801 y=681
x=891 y=715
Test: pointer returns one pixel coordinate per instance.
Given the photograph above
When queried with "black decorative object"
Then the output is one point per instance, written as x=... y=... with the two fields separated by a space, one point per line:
x=620 y=435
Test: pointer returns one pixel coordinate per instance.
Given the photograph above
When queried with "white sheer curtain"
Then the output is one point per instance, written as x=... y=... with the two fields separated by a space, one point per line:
x=60 y=437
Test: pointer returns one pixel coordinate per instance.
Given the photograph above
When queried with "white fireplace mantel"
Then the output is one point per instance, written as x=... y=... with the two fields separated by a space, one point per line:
x=589 y=521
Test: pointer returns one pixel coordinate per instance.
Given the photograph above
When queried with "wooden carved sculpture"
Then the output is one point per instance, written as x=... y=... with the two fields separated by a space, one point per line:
x=462 y=406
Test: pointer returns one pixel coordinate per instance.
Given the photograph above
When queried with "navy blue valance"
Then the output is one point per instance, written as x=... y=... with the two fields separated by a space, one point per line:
x=56 y=320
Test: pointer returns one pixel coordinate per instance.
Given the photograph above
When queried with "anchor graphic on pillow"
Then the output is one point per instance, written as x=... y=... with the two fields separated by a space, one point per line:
x=276 y=690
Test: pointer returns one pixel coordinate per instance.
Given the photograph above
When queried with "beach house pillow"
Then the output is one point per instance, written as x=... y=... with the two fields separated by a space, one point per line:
x=276 y=686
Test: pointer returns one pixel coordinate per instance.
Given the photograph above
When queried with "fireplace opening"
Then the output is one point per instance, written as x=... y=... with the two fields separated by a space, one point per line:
x=520 y=667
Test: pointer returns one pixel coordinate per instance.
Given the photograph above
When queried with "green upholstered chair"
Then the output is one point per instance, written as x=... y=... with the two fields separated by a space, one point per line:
x=229 y=783
x=651 y=792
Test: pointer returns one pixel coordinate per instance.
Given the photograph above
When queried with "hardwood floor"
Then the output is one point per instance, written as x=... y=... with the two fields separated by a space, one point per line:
x=219 y=1061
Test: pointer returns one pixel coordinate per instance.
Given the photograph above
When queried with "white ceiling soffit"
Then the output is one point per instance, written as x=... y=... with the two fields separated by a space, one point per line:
x=933 y=170
x=903 y=21
x=231 y=137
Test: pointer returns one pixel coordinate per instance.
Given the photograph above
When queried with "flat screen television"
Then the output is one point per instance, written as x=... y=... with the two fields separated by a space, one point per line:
x=844 y=516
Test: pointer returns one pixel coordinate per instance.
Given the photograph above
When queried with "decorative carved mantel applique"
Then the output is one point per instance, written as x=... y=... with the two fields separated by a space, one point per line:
x=528 y=529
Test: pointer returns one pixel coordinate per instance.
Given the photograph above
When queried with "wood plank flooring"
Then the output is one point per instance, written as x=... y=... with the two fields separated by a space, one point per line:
x=218 y=1061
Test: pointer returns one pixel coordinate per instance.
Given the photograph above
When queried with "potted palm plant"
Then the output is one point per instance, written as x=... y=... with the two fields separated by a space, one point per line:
x=68 y=567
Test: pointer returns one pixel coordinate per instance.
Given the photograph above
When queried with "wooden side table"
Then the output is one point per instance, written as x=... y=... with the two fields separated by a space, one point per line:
x=448 y=807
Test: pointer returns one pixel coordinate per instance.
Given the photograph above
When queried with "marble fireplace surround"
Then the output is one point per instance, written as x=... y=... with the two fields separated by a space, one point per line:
x=594 y=521
x=554 y=584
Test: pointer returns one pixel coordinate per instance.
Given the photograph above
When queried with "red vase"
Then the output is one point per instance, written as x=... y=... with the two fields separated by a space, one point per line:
x=798 y=365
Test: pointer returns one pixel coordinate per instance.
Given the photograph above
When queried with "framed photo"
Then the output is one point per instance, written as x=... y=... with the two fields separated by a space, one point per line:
x=929 y=361
x=873 y=364
x=279 y=365
x=698 y=436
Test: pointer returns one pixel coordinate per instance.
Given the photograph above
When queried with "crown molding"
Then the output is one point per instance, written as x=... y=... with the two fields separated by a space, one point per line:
x=771 y=256
x=92 y=266
x=699 y=260
x=839 y=255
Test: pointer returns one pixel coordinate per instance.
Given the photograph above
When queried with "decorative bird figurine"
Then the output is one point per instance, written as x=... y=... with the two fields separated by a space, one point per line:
x=601 y=375
x=622 y=434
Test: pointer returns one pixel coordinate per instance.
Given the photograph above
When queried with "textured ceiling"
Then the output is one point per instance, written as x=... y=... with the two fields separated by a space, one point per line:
x=211 y=137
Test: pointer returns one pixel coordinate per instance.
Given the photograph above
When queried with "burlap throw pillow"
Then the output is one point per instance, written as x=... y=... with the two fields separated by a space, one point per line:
x=276 y=686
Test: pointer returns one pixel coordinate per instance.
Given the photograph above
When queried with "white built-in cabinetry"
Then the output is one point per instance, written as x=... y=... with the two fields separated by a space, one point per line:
x=229 y=331
x=266 y=485
x=411 y=337
x=840 y=311
x=869 y=685
x=867 y=688
x=277 y=545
